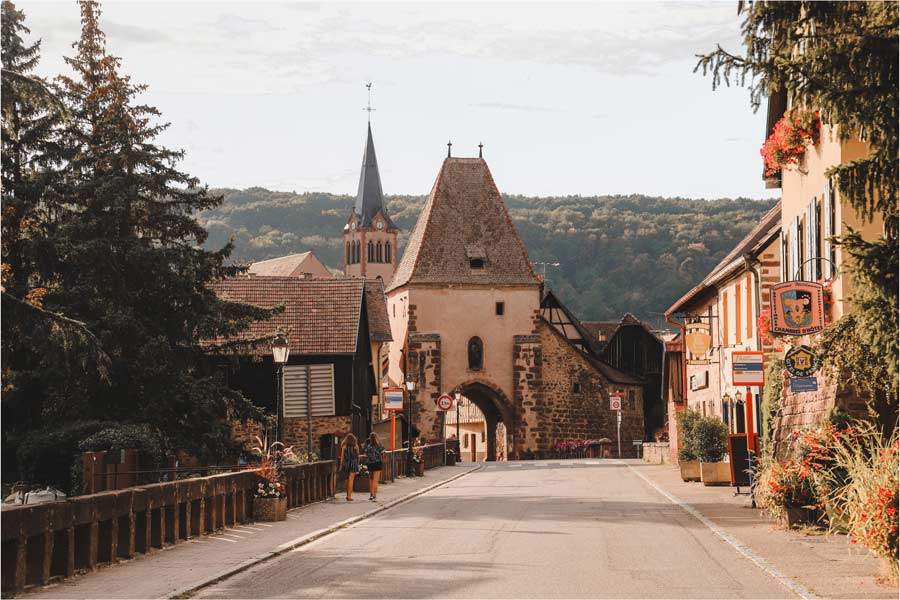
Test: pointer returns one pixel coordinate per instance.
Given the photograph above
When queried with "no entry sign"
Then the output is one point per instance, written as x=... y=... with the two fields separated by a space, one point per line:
x=747 y=368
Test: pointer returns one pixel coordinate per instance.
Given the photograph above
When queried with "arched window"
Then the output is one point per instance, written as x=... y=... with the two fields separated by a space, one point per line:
x=347 y=258
x=371 y=253
x=378 y=253
x=387 y=252
x=476 y=354
x=354 y=251
x=356 y=259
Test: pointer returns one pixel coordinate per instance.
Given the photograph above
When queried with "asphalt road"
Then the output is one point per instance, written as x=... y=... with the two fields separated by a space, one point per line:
x=540 y=529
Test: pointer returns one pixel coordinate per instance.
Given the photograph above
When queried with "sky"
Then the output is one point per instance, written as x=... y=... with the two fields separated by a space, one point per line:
x=568 y=99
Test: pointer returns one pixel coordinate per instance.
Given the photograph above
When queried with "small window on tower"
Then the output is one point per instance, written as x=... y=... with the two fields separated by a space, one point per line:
x=499 y=308
x=576 y=388
x=476 y=263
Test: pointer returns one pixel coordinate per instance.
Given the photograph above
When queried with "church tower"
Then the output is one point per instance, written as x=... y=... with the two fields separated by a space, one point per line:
x=370 y=237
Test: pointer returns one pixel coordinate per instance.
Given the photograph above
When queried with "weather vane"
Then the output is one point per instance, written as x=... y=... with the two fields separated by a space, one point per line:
x=368 y=107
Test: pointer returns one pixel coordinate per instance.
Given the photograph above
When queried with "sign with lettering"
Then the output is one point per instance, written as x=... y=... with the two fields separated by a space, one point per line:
x=798 y=307
x=393 y=399
x=801 y=361
x=445 y=402
x=804 y=384
x=747 y=368
x=615 y=402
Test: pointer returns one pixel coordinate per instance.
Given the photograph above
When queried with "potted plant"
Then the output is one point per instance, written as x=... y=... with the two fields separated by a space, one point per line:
x=361 y=483
x=710 y=436
x=687 y=456
x=451 y=458
x=418 y=458
x=270 y=495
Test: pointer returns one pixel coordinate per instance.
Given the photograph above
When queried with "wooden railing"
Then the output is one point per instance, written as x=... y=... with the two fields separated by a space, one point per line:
x=51 y=541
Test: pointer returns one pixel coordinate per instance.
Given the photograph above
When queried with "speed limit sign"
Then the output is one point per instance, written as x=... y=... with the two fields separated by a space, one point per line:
x=615 y=402
x=445 y=402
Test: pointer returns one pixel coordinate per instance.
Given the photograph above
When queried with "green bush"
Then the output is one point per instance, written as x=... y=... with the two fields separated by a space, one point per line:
x=710 y=435
x=687 y=420
x=46 y=457
x=144 y=438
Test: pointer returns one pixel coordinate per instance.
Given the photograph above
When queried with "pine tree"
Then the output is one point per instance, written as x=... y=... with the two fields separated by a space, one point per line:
x=841 y=58
x=128 y=262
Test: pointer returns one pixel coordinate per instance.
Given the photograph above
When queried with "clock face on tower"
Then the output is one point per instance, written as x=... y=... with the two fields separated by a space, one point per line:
x=353 y=225
x=380 y=225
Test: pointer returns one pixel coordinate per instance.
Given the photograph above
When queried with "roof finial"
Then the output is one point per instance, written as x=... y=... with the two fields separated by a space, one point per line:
x=368 y=107
x=449 y=144
x=480 y=146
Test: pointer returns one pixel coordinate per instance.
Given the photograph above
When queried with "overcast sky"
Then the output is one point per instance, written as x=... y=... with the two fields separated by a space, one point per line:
x=567 y=98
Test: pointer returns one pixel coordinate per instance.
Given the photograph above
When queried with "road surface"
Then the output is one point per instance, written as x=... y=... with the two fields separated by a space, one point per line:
x=542 y=529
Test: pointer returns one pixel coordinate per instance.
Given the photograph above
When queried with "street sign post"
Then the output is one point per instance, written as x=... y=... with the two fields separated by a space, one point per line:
x=619 y=431
x=747 y=369
x=393 y=402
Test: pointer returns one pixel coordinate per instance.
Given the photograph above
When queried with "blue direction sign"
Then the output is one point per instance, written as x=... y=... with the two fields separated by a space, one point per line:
x=804 y=384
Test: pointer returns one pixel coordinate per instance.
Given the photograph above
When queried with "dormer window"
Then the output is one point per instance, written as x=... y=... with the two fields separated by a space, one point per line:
x=476 y=255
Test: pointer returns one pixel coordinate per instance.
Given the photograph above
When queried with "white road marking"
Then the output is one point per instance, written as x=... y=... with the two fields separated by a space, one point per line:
x=735 y=543
x=223 y=539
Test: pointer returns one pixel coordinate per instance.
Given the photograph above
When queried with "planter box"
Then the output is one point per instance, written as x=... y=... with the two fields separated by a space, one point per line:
x=451 y=459
x=361 y=484
x=715 y=473
x=690 y=470
x=795 y=516
x=420 y=468
x=270 y=509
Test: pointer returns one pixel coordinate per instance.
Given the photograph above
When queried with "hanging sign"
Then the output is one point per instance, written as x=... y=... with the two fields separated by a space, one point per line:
x=798 y=308
x=747 y=368
x=444 y=402
x=393 y=399
x=697 y=339
x=804 y=384
x=801 y=361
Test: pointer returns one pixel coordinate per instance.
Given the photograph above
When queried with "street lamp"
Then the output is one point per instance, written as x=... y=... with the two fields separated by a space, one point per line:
x=411 y=389
x=281 y=349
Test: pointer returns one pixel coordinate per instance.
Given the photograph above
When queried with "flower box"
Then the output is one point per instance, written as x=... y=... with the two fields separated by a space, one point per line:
x=715 y=473
x=690 y=470
x=451 y=459
x=796 y=516
x=270 y=509
x=420 y=468
x=361 y=483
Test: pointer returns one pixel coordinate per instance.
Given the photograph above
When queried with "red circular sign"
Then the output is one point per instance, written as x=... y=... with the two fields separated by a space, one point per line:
x=445 y=402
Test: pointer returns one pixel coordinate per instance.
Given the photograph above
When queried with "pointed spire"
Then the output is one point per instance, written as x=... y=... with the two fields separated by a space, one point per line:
x=369 y=197
x=449 y=145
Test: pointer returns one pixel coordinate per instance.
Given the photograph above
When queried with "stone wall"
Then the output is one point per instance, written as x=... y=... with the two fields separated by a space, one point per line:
x=295 y=430
x=529 y=431
x=424 y=358
x=583 y=414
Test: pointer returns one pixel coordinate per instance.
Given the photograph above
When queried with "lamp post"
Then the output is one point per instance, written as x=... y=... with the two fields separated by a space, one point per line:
x=411 y=389
x=458 y=396
x=281 y=349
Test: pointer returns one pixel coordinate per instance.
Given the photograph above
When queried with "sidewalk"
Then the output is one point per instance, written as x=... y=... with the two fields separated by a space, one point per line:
x=826 y=565
x=177 y=569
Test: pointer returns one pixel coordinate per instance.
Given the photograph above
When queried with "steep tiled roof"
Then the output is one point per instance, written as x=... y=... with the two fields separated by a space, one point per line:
x=595 y=328
x=291 y=265
x=321 y=316
x=376 y=309
x=768 y=226
x=464 y=218
x=609 y=372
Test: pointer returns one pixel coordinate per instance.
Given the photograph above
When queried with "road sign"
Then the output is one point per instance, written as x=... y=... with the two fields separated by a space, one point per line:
x=615 y=402
x=393 y=399
x=445 y=402
x=804 y=384
x=747 y=368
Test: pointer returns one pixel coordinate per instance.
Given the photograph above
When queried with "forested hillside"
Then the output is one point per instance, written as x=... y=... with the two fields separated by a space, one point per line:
x=616 y=253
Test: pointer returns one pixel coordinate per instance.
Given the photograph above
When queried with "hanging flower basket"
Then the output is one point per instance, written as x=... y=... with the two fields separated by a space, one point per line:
x=790 y=137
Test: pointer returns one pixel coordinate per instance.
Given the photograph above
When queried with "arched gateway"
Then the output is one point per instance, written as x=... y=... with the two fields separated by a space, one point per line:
x=465 y=311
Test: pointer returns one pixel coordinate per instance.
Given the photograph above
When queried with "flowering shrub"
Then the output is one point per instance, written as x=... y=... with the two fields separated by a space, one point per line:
x=271 y=468
x=764 y=326
x=783 y=485
x=575 y=445
x=789 y=139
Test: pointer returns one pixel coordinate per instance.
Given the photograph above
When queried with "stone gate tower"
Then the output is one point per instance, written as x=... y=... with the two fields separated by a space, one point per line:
x=370 y=237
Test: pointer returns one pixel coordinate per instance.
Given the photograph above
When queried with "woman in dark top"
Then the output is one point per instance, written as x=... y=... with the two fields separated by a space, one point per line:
x=373 y=450
x=349 y=464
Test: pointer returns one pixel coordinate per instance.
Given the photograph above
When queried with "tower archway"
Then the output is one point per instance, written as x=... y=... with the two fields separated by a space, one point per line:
x=496 y=408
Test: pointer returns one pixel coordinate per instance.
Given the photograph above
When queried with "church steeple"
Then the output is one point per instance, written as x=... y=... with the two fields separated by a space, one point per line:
x=369 y=197
x=370 y=237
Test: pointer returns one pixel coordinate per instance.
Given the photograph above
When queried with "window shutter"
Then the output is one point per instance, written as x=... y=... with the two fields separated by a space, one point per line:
x=795 y=248
x=784 y=256
x=321 y=386
x=828 y=228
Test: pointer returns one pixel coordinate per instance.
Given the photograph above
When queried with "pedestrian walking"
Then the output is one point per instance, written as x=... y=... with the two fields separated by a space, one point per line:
x=349 y=465
x=372 y=449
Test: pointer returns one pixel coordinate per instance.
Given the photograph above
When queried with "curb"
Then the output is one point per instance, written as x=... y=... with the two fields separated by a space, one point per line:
x=311 y=537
